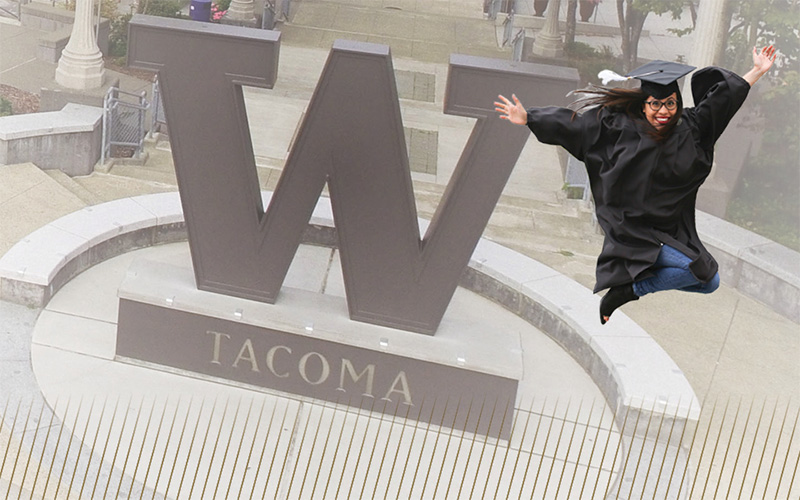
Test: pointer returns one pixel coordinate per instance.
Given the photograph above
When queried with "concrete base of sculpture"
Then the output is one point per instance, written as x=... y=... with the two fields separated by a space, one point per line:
x=464 y=377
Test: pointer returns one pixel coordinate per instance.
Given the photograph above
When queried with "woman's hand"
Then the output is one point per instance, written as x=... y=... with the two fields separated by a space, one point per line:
x=514 y=112
x=762 y=62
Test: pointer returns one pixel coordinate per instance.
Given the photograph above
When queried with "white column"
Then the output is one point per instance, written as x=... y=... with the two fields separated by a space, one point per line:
x=241 y=11
x=548 y=41
x=707 y=39
x=708 y=36
x=81 y=63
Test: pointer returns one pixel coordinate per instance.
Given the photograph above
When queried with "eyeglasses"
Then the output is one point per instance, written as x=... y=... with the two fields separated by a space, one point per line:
x=670 y=104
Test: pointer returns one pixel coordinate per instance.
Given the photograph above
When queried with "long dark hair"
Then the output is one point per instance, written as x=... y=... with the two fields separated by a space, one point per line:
x=628 y=101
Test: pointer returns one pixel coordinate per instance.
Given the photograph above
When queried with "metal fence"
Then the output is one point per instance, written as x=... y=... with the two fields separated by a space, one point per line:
x=268 y=15
x=517 y=45
x=508 y=29
x=258 y=446
x=123 y=124
x=493 y=7
x=512 y=39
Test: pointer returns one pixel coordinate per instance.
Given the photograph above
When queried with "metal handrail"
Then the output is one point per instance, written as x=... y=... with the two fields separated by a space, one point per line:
x=113 y=109
x=517 y=45
x=508 y=29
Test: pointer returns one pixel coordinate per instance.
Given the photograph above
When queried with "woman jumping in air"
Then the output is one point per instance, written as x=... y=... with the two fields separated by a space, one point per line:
x=646 y=156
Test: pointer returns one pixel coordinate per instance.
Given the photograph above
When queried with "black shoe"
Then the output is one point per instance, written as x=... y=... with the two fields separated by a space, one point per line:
x=616 y=297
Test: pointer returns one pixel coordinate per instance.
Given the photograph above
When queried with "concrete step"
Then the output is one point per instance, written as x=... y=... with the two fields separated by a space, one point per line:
x=570 y=208
x=564 y=225
x=566 y=219
x=158 y=166
x=163 y=144
x=144 y=173
x=452 y=8
x=73 y=187
x=29 y=199
x=427 y=35
x=109 y=187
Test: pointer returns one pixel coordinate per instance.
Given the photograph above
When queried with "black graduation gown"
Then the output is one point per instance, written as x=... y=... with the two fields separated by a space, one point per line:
x=645 y=191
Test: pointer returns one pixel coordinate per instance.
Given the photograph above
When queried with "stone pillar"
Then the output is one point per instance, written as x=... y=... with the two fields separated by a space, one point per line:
x=241 y=13
x=81 y=63
x=548 y=41
x=708 y=37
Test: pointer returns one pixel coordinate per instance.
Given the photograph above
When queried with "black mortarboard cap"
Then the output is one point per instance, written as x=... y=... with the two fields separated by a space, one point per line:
x=660 y=78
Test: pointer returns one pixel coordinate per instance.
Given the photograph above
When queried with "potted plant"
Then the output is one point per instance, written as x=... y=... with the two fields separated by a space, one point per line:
x=587 y=9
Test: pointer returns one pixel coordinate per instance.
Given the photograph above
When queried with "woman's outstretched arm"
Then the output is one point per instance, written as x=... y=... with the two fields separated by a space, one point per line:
x=551 y=124
x=762 y=62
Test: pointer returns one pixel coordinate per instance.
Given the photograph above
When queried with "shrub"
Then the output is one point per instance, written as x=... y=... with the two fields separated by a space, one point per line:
x=223 y=5
x=589 y=61
x=108 y=8
x=161 y=8
x=118 y=36
x=217 y=12
x=5 y=107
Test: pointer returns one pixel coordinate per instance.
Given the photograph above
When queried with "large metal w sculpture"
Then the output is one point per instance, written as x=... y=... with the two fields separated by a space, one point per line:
x=352 y=139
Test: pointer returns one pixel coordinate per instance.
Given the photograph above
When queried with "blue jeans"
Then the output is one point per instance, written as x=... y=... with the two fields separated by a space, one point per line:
x=671 y=271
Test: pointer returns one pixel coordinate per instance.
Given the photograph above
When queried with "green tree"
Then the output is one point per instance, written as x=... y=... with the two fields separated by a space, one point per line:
x=572 y=9
x=631 y=15
x=766 y=197
x=118 y=36
x=762 y=22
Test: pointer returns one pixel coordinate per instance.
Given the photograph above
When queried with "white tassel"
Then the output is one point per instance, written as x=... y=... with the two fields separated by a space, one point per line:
x=607 y=76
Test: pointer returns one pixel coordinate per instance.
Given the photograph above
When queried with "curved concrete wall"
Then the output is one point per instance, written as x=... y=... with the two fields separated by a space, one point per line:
x=756 y=266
